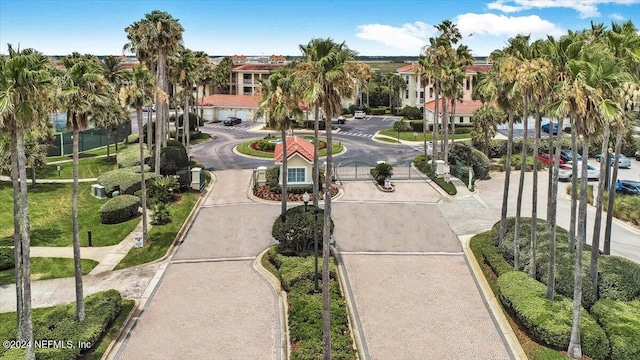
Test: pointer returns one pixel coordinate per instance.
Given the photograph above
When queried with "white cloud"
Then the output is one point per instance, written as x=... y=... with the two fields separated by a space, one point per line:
x=501 y=25
x=616 y=17
x=411 y=36
x=586 y=8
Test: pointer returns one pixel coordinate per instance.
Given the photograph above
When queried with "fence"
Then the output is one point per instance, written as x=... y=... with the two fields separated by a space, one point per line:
x=89 y=139
x=360 y=171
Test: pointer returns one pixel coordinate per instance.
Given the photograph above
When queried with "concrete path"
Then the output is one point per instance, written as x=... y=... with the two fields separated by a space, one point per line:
x=210 y=293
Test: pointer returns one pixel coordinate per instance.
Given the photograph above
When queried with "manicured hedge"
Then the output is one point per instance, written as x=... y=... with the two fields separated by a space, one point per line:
x=7 y=258
x=136 y=169
x=549 y=321
x=465 y=153
x=119 y=209
x=482 y=243
x=565 y=265
x=130 y=156
x=619 y=278
x=128 y=181
x=621 y=322
x=425 y=168
x=59 y=323
x=294 y=230
x=173 y=158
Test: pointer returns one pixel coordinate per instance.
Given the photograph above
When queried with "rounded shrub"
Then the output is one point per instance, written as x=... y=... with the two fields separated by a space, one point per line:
x=193 y=121
x=621 y=321
x=126 y=180
x=7 y=260
x=294 y=230
x=173 y=158
x=119 y=209
x=618 y=278
x=130 y=156
x=411 y=112
x=381 y=172
x=465 y=153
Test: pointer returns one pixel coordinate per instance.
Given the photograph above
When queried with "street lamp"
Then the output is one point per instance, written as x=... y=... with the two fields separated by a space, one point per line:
x=305 y=199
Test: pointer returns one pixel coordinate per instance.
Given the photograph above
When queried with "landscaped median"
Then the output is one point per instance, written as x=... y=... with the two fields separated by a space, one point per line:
x=263 y=148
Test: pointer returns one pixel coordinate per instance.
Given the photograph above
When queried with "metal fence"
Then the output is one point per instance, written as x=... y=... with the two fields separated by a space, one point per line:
x=361 y=171
x=89 y=139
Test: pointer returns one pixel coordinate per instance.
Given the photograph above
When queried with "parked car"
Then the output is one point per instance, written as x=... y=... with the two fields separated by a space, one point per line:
x=628 y=187
x=148 y=108
x=359 y=115
x=566 y=155
x=232 y=120
x=638 y=155
x=341 y=120
x=549 y=159
x=623 y=161
x=566 y=171
x=547 y=127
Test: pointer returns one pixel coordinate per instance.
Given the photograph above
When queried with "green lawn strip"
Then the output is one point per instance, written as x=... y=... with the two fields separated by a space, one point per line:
x=114 y=330
x=160 y=237
x=419 y=136
x=58 y=323
x=202 y=138
x=245 y=148
x=386 y=139
x=89 y=153
x=482 y=243
x=425 y=168
x=305 y=308
x=49 y=268
x=87 y=168
x=50 y=216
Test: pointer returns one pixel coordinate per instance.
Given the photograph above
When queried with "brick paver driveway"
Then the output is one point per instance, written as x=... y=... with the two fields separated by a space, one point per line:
x=211 y=303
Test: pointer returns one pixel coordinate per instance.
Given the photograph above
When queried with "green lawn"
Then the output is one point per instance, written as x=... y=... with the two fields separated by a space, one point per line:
x=386 y=139
x=50 y=216
x=49 y=268
x=409 y=135
x=245 y=148
x=87 y=168
x=160 y=237
x=89 y=153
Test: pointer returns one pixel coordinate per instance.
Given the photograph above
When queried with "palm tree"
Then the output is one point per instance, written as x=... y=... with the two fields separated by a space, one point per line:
x=83 y=88
x=222 y=74
x=485 y=121
x=463 y=58
x=327 y=75
x=184 y=65
x=109 y=116
x=138 y=90
x=157 y=36
x=395 y=83
x=25 y=99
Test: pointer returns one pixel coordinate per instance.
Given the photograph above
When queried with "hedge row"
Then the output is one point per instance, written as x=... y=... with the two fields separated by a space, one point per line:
x=621 y=321
x=7 y=258
x=305 y=309
x=465 y=153
x=618 y=278
x=126 y=180
x=498 y=147
x=59 y=323
x=119 y=209
x=425 y=168
x=130 y=156
x=549 y=321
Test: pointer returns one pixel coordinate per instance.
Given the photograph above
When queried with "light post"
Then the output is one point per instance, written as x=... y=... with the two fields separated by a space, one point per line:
x=305 y=199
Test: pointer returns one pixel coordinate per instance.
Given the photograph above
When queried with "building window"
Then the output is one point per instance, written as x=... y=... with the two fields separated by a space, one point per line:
x=296 y=175
x=406 y=79
x=247 y=91
x=421 y=95
x=461 y=119
x=430 y=92
x=468 y=83
x=406 y=94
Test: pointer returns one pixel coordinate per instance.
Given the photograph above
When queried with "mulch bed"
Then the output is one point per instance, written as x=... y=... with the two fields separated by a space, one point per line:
x=263 y=192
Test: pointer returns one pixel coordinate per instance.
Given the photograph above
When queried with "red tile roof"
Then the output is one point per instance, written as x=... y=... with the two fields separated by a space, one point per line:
x=406 y=69
x=470 y=69
x=464 y=107
x=224 y=100
x=295 y=144
x=256 y=67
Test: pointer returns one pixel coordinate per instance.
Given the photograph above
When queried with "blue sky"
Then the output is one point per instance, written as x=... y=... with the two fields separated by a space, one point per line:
x=265 y=27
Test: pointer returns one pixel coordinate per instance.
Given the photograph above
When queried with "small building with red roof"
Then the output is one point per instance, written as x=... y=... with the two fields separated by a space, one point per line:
x=218 y=107
x=299 y=160
x=464 y=110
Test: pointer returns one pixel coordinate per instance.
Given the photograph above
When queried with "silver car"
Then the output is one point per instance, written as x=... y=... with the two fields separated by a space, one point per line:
x=566 y=170
x=623 y=161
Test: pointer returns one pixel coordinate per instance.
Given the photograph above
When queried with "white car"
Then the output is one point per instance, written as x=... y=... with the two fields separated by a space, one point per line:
x=359 y=115
x=566 y=171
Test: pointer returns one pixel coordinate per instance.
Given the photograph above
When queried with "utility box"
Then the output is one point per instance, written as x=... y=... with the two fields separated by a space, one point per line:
x=440 y=168
x=195 y=178
x=98 y=191
x=261 y=174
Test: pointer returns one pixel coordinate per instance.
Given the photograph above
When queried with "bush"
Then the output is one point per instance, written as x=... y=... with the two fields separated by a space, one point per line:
x=127 y=181
x=400 y=126
x=381 y=172
x=468 y=155
x=294 y=230
x=463 y=128
x=132 y=138
x=193 y=121
x=162 y=189
x=119 y=209
x=549 y=321
x=136 y=169
x=7 y=258
x=266 y=145
x=377 y=111
x=564 y=274
x=619 y=278
x=173 y=158
x=417 y=126
x=621 y=322
x=491 y=255
x=516 y=162
x=411 y=112
x=160 y=214
x=130 y=156
x=425 y=167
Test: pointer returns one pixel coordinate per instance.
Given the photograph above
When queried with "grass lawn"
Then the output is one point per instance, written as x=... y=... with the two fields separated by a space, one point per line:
x=49 y=268
x=87 y=168
x=160 y=237
x=89 y=153
x=203 y=137
x=386 y=139
x=245 y=148
x=408 y=135
x=50 y=216
x=112 y=333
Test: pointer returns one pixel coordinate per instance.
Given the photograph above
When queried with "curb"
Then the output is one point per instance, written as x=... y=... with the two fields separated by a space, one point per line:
x=492 y=303
x=283 y=308
x=119 y=340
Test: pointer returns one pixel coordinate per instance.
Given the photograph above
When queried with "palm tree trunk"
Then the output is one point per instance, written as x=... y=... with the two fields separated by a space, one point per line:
x=143 y=183
x=612 y=194
x=187 y=127
x=445 y=128
x=551 y=212
x=523 y=169
x=25 y=247
x=534 y=199
x=76 y=233
x=316 y=170
x=574 y=184
x=17 y=250
x=150 y=133
x=326 y=237
x=595 y=241
x=160 y=111
x=507 y=173
x=436 y=107
x=424 y=126
x=453 y=121
x=33 y=176
x=285 y=170
x=108 y=148
x=115 y=139
x=185 y=117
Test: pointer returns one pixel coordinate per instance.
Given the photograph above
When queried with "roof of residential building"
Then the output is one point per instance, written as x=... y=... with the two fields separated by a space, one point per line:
x=470 y=69
x=463 y=107
x=224 y=100
x=256 y=67
x=406 y=69
x=295 y=144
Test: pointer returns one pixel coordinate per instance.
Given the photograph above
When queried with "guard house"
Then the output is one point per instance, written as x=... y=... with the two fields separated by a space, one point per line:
x=299 y=161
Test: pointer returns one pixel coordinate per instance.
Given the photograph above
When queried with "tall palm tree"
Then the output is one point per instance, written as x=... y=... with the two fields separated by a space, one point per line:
x=395 y=83
x=113 y=70
x=184 y=65
x=157 y=36
x=485 y=121
x=83 y=88
x=25 y=99
x=138 y=90
x=327 y=75
x=463 y=58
